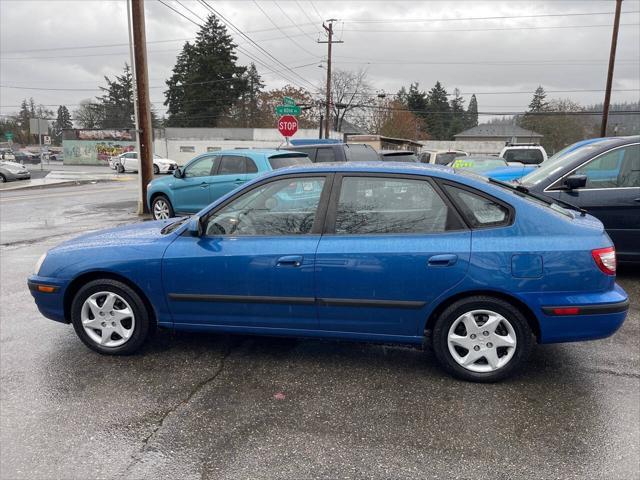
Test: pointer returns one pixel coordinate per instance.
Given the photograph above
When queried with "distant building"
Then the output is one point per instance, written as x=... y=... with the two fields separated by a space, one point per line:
x=380 y=142
x=488 y=132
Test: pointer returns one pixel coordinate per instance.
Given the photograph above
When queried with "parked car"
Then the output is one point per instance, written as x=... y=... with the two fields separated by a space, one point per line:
x=604 y=179
x=440 y=157
x=10 y=171
x=128 y=162
x=6 y=154
x=398 y=156
x=24 y=156
x=356 y=251
x=492 y=167
x=338 y=152
x=524 y=154
x=210 y=176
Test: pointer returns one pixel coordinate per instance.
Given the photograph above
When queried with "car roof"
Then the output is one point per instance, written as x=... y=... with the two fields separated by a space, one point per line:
x=370 y=167
x=396 y=152
x=269 y=152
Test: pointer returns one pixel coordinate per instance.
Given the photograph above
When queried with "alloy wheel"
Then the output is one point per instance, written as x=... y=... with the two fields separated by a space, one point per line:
x=160 y=209
x=107 y=319
x=481 y=341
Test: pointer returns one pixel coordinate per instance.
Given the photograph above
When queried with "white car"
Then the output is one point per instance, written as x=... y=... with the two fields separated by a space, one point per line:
x=128 y=162
x=523 y=154
x=440 y=157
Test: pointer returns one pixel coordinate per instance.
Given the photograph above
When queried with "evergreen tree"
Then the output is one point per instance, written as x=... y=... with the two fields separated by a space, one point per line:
x=416 y=100
x=245 y=112
x=457 y=114
x=62 y=122
x=538 y=102
x=401 y=96
x=438 y=116
x=206 y=82
x=116 y=104
x=532 y=120
x=471 y=117
x=24 y=115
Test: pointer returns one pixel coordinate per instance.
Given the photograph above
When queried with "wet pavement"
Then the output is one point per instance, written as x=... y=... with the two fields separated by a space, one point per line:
x=228 y=407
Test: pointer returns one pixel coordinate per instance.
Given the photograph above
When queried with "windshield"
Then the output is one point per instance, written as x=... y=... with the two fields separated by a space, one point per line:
x=288 y=160
x=478 y=164
x=360 y=153
x=556 y=164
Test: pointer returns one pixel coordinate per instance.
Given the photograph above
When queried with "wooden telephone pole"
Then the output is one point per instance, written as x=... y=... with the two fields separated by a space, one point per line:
x=612 y=61
x=145 y=127
x=329 y=42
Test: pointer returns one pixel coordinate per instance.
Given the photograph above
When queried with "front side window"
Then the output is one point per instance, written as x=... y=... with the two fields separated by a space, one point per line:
x=480 y=211
x=200 y=168
x=372 y=205
x=618 y=168
x=282 y=207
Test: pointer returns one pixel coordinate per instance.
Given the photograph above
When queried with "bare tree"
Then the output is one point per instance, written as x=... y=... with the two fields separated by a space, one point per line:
x=350 y=93
x=88 y=114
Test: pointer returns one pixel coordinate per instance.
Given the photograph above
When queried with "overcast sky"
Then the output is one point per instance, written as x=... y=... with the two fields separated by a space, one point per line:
x=68 y=46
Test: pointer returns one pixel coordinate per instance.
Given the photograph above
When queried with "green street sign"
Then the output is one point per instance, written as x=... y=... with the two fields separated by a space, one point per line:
x=289 y=101
x=8 y=136
x=288 y=110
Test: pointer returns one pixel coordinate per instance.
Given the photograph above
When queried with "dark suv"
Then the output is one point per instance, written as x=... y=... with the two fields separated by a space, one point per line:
x=337 y=152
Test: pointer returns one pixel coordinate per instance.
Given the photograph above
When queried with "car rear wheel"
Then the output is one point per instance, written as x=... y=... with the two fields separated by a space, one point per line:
x=161 y=208
x=156 y=169
x=110 y=317
x=119 y=168
x=482 y=339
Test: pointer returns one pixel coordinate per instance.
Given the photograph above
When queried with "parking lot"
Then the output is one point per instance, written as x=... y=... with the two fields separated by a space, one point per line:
x=217 y=406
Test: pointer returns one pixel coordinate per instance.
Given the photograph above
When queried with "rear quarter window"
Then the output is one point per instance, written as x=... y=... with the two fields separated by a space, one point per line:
x=288 y=160
x=480 y=211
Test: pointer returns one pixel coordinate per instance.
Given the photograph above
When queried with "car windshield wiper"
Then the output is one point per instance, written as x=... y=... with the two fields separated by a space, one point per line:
x=172 y=226
x=550 y=201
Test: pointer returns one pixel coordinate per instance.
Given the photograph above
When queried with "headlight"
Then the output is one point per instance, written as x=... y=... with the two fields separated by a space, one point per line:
x=39 y=264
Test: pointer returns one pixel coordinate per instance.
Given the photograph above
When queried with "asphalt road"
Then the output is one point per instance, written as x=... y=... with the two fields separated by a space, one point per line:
x=224 y=407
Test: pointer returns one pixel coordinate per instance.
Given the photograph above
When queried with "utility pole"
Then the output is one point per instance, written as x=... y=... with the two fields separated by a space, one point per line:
x=612 y=61
x=145 y=128
x=329 y=42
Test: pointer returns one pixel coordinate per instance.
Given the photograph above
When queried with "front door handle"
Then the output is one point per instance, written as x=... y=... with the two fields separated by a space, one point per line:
x=289 y=261
x=445 y=260
x=204 y=185
x=636 y=199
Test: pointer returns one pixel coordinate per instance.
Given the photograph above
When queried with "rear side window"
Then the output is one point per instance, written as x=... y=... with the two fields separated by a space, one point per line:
x=325 y=155
x=361 y=153
x=375 y=205
x=282 y=161
x=479 y=210
x=232 y=164
x=446 y=158
x=528 y=156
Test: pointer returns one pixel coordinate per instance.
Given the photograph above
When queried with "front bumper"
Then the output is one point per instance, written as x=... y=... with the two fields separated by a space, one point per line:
x=167 y=168
x=48 y=294
x=18 y=176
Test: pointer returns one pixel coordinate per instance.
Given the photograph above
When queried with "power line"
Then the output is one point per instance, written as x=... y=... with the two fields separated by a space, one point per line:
x=293 y=22
x=179 y=13
x=282 y=31
x=545 y=27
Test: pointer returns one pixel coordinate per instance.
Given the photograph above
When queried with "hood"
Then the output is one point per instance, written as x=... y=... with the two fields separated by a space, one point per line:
x=15 y=165
x=136 y=234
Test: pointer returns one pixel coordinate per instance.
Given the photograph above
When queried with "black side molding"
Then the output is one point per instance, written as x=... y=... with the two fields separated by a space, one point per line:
x=327 y=302
x=587 y=309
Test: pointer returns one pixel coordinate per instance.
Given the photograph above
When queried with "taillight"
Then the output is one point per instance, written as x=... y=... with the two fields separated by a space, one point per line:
x=605 y=258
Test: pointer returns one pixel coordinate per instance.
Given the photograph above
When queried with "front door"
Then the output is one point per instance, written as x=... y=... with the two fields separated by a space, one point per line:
x=612 y=194
x=393 y=246
x=254 y=265
x=234 y=170
x=191 y=192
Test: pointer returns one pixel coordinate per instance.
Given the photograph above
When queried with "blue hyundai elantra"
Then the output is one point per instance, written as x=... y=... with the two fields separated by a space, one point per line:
x=382 y=252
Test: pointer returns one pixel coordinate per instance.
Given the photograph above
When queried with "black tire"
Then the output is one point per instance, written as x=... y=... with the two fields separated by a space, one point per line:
x=523 y=333
x=156 y=169
x=2 y=178
x=119 y=168
x=164 y=199
x=143 y=325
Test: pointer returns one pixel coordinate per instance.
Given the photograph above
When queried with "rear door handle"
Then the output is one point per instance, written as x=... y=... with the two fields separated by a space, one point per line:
x=445 y=260
x=289 y=261
x=204 y=185
x=636 y=199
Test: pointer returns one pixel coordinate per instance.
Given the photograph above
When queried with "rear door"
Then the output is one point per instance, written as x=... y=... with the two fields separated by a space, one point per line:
x=612 y=194
x=392 y=245
x=231 y=173
x=191 y=193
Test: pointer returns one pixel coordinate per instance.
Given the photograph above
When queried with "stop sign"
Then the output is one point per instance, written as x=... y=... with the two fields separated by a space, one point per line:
x=288 y=125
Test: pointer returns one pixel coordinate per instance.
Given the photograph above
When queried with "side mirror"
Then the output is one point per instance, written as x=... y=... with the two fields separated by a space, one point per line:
x=178 y=173
x=195 y=226
x=575 y=181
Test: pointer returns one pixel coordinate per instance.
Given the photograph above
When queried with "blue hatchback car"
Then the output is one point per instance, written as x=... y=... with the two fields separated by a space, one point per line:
x=383 y=252
x=211 y=175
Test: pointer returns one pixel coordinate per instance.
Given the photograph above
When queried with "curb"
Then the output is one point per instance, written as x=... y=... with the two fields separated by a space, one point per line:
x=64 y=183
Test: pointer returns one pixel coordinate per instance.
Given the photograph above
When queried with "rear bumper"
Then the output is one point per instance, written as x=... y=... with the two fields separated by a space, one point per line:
x=580 y=316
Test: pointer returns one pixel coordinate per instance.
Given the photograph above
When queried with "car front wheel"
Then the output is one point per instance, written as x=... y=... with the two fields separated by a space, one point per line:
x=119 y=168
x=161 y=208
x=110 y=317
x=482 y=339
